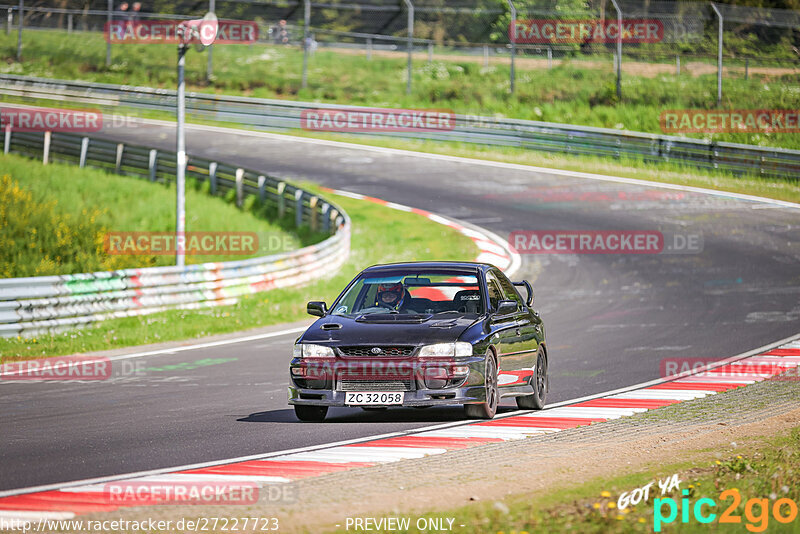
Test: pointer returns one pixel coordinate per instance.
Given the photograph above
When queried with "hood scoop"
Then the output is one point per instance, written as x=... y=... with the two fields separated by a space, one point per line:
x=444 y=324
x=331 y=326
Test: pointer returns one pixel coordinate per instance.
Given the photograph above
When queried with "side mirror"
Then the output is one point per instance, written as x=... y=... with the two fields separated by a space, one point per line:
x=317 y=308
x=506 y=307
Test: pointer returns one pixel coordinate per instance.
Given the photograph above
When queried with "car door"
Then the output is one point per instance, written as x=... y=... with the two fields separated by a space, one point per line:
x=504 y=335
x=525 y=340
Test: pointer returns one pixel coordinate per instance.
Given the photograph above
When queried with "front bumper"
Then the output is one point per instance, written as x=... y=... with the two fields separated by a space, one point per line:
x=328 y=391
x=420 y=397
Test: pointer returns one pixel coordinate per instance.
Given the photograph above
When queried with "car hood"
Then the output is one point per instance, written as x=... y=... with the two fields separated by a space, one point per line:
x=415 y=330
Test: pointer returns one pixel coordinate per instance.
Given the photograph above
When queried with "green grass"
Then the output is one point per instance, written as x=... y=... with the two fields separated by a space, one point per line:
x=53 y=219
x=379 y=235
x=568 y=93
x=767 y=470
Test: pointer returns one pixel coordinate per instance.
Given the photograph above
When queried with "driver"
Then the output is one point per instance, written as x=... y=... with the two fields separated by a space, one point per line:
x=391 y=295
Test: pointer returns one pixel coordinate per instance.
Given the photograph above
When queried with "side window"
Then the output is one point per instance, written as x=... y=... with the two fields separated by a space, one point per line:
x=509 y=293
x=495 y=293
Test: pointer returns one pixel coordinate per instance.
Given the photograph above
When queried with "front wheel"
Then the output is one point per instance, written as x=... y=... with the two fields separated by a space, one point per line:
x=486 y=410
x=310 y=414
x=540 y=384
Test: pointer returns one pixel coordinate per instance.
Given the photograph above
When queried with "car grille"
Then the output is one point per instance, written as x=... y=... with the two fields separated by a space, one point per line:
x=385 y=351
x=375 y=385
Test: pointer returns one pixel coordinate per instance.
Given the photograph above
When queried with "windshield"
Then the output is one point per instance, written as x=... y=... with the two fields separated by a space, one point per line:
x=412 y=293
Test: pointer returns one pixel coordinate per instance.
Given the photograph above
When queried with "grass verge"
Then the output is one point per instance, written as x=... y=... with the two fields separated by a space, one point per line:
x=766 y=471
x=54 y=219
x=567 y=93
x=380 y=235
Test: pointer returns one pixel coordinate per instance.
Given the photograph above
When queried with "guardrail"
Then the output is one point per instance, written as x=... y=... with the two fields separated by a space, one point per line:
x=52 y=303
x=551 y=137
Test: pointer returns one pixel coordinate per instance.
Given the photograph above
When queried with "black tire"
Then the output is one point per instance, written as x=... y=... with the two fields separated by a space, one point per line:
x=540 y=382
x=311 y=414
x=488 y=409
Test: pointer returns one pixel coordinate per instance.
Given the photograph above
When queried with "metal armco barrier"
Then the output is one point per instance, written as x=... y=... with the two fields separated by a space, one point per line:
x=52 y=303
x=551 y=137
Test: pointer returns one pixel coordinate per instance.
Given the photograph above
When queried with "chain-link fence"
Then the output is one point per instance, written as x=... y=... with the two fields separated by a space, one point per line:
x=656 y=36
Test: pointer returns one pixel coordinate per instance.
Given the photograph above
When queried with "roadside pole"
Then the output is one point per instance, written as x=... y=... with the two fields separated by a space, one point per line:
x=180 y=223
x=619 y=49
x=203 y=32
x=513 y=75
x=410 y=43
x=210 y=70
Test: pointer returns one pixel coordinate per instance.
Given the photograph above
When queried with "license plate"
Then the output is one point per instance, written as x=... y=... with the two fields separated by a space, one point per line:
x=372 y=398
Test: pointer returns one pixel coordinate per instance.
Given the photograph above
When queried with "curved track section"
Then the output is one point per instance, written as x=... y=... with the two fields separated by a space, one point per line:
x=611 y=319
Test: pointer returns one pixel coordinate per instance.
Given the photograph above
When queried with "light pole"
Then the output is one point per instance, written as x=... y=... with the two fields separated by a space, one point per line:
x=180 y=224
x=206 y=31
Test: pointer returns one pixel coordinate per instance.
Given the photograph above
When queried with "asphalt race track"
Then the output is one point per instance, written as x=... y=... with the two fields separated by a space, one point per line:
x=611 y=319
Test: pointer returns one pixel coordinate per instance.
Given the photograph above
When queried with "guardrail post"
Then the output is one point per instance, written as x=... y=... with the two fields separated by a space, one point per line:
x=46 y=148
x=239 y=187
x=84 y=151
x=677 y=65
x=262 y=191
x=430 y=52
x=212 y=177
x=549 y=57
x=152 y=164
x=298 y=208
x=7 y=142
x=118 y=163
x=326 y=218
x=369 y=48
x=9 y=21
x=69 y=22
x=281 y=200
x=312 y=203
x=486 y=56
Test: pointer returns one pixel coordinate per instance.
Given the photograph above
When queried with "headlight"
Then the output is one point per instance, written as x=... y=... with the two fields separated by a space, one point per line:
x=443 y=350
x=308 y=350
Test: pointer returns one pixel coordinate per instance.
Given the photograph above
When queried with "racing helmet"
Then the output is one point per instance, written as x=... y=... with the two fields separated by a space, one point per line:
x=390 y=295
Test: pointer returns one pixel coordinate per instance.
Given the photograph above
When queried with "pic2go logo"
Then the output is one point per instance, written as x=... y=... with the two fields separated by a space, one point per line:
x=756 y=511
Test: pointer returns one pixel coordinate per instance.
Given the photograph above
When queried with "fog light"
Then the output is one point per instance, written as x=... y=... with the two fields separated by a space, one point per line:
x=461 y=370
x=436 y=377
x=298 y=371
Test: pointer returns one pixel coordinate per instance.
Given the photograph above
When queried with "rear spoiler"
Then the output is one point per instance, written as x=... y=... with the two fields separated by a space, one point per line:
x=528 y=288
